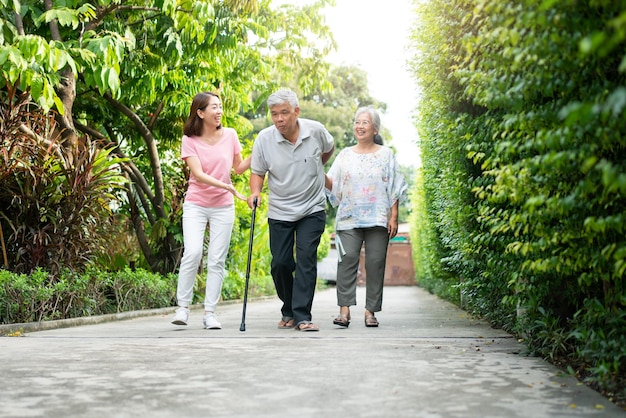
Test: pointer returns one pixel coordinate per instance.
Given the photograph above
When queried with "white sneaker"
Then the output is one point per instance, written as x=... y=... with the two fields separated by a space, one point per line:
x=181 y=317
x=210 y=322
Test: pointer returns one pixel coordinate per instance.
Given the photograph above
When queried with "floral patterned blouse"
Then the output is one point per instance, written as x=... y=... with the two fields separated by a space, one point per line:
x=365 y=187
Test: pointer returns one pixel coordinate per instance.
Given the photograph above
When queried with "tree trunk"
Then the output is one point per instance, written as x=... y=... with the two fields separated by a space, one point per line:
x=66 y=90
x=67 y=93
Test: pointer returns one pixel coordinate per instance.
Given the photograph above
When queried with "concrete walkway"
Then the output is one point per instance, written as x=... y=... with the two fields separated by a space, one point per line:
x=427 y=359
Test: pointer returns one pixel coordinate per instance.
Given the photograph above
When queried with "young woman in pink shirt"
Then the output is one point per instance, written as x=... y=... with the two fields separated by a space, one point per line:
x=211 y=152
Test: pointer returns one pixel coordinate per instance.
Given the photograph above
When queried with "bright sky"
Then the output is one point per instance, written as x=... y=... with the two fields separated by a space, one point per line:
x=374 y=36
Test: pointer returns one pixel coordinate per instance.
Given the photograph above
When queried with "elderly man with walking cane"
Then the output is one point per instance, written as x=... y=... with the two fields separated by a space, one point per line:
x=292 y=154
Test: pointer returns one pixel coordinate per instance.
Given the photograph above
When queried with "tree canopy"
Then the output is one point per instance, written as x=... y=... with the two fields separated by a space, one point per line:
x=124 y=73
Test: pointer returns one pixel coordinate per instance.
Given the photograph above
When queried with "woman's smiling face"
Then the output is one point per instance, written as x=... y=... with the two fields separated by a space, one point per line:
x=363 y=127
x=212 y=112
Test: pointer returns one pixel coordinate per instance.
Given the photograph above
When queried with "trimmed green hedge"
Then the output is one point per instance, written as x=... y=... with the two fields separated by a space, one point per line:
x=523 y=185
x=41 y=296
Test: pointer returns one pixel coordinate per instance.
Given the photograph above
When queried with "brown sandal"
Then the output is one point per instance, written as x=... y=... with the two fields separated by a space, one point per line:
x=342 y=320
x=286 y=323
x=371 y=321
x=307 y=326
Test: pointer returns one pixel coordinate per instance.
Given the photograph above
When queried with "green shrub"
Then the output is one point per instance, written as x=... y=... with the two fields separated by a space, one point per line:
x=42 y=296
x=523 y=189
x=601 y=340
x=138 y=289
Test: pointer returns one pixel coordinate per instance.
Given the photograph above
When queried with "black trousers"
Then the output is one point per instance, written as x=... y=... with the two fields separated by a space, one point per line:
x=296 y=292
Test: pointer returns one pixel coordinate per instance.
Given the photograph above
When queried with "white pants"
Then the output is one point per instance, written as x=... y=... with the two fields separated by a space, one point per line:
x=195 y=219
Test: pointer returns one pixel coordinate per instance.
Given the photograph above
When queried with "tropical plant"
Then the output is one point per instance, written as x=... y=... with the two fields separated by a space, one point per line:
x=54 y=199
x=124 y=73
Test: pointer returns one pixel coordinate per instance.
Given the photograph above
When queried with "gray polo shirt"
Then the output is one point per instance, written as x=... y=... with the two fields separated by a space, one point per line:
x=295 y=173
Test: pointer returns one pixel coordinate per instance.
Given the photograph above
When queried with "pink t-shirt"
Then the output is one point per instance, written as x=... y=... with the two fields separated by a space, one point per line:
x=216 y=161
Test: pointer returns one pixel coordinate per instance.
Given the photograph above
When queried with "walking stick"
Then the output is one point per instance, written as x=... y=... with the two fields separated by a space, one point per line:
x=245 y=292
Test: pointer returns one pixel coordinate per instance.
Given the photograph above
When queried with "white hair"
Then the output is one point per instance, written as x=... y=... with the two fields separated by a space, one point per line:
x=283 y=96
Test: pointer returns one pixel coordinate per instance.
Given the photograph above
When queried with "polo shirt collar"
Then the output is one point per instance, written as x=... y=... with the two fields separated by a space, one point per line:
x=304 y=132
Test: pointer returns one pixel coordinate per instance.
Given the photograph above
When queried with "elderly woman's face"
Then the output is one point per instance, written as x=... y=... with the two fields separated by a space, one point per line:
x=364 y=128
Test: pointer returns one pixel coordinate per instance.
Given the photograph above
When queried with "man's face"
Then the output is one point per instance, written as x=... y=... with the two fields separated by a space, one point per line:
x=285 y=118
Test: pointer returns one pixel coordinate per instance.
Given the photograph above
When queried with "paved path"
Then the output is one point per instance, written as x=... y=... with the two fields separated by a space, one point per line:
x=427 y=359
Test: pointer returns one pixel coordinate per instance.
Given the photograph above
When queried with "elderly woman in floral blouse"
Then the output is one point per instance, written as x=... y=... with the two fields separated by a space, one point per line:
x=365 y=185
